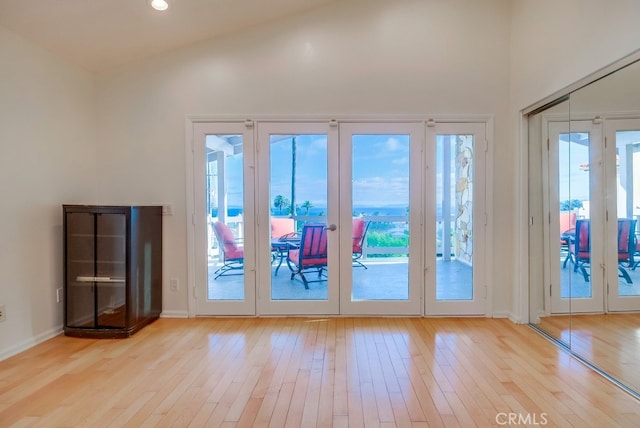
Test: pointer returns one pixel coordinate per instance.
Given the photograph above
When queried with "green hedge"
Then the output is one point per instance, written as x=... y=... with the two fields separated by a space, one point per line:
x=383 y=239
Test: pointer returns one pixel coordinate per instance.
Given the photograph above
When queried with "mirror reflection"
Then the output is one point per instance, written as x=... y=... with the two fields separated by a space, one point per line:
x=584 y=199
x=549 y=244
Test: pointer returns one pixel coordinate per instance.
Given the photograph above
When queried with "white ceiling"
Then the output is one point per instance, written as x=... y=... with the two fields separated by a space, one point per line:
x=99 y=35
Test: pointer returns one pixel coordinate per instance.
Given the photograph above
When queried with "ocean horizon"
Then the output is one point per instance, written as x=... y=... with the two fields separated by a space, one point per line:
x=318 y=211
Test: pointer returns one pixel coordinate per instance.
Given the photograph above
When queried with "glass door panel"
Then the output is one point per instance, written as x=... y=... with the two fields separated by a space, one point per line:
x=623 y=162
x=576 y=219
x=297 y=233
x=380 y=224
x=298 y=195
x=378 y=202
x=223 y=223
x=455 y=270
x=454 y=217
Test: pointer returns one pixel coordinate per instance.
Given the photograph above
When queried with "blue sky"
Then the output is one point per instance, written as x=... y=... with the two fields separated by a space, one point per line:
x=574 y=181
x=380 y=170
x=573 y=156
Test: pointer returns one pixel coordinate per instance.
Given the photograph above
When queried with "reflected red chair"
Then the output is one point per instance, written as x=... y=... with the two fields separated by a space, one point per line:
x=626 y=246
x=567 y=227
x=311 y=255
x=580 y=248
x=232 y=252
x=360 y=228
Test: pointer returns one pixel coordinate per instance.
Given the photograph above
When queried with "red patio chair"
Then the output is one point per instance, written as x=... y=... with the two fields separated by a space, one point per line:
x=567 y=228
x=360 y=228
x=283 y=237
x=580 y=248
x=282 y=227
x=311 y=255
x=232 y=252
x=626 y=246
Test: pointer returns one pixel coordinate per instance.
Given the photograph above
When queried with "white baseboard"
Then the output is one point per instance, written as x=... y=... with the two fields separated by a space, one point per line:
x=174 y=314
x=501 y=314
x=30 y=343
x=516 y=320
x=504 y=314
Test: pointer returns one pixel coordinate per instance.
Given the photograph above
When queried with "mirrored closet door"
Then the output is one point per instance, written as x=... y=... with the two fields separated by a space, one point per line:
x=584 y=206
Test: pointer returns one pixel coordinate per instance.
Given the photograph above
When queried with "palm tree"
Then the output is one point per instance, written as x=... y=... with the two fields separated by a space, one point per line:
x=293 y=176
x=307 y=205
x=280 y=202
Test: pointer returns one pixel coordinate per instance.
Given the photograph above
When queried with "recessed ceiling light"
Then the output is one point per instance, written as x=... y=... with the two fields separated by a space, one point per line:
x=159 y=4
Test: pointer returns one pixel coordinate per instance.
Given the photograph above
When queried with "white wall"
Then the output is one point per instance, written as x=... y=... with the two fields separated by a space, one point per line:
x=352 y=57
x=47 y=158
x=554 y=44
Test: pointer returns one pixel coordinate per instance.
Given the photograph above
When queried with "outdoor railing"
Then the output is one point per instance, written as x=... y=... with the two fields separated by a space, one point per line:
x=387 y=236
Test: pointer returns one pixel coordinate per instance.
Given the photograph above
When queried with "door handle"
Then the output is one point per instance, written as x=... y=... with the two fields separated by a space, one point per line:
x=332 y=227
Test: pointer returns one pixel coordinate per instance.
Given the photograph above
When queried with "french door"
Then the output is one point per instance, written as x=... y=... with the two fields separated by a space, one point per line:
x=594 y=177
x=339 y=176
x=380 y=172
x=456 y=245
x=622 y=158
x=575 y=197
x=224 y=175
x=297 y=183
x=327 y=217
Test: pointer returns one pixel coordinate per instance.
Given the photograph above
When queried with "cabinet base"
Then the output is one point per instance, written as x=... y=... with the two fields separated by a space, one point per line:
x=106 y=333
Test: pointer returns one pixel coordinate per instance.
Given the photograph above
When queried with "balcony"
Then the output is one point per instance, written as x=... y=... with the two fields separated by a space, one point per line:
x=385 y=253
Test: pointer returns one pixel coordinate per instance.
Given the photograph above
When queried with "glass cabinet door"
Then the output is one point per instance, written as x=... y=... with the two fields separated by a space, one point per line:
x=80 y=248
x=111 y=269
x=96 y=270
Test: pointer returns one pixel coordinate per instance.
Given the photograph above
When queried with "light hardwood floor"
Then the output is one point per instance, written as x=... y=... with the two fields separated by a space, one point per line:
x=609 y=341
x=302 y=372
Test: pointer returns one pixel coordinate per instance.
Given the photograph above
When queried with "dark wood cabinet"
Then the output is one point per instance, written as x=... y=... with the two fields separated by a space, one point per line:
x=112 y=269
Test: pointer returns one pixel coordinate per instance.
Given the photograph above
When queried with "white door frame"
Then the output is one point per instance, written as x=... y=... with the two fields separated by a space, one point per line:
x=411 y=306
x=266 y=305
x=196 y=126
x=551 y=132
x=197 y=219
x=615 y=302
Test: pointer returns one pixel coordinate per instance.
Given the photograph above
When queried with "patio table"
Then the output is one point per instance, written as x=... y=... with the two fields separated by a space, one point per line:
x=280 y=249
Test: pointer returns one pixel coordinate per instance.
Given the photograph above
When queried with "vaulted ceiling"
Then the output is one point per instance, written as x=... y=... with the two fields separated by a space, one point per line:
x=100 y=35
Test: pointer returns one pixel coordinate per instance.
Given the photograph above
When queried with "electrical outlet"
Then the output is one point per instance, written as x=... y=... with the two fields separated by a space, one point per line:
x=58 y=295
x=3 y=313
x=173 y=284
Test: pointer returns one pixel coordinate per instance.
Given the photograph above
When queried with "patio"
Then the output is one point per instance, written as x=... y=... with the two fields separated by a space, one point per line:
x=384 y=253
x=384 y=279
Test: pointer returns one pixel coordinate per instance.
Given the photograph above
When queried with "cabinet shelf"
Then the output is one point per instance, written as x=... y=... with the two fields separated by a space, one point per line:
x=99 y=279
x=92 y=236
